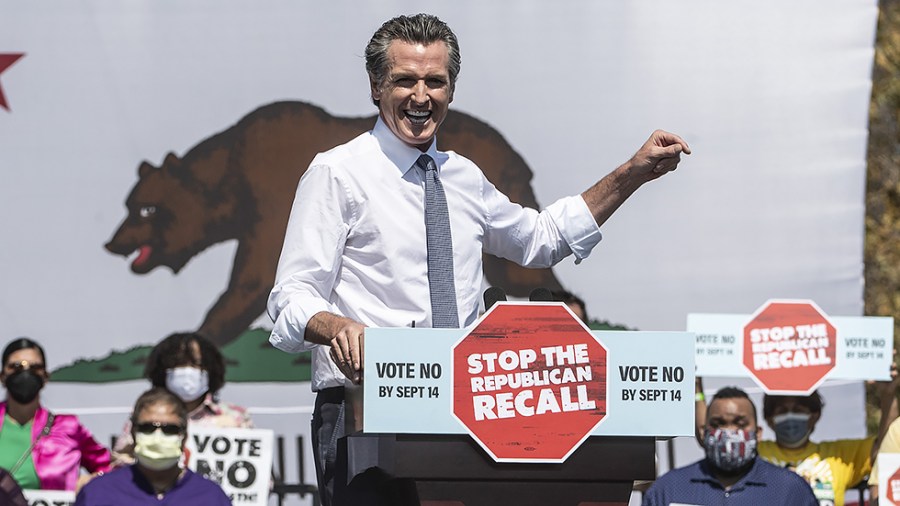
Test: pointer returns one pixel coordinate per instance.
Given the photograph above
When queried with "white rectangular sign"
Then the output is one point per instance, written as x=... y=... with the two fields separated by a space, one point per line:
x=650 y=382
x=49 y=497
x=864 y=345
x=239 y=460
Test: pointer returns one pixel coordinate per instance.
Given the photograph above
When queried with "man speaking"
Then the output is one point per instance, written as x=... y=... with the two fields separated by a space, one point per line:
x=388 y=231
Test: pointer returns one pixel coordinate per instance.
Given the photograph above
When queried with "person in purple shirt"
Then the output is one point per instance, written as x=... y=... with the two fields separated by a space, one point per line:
x=731 y=473
x=159 y=424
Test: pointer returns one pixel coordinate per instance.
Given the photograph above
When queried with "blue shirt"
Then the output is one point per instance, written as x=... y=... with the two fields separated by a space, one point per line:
x=126 y=485
x=764 y=484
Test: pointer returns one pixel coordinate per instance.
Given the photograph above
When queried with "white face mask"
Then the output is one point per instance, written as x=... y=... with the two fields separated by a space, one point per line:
x=188 y=383
x=157 y=451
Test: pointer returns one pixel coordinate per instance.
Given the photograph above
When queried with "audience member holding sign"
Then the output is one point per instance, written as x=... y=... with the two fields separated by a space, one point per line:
x=830 y=467
x=159 y=429
x=731 y=473
x=41 y=449
x=191 y=367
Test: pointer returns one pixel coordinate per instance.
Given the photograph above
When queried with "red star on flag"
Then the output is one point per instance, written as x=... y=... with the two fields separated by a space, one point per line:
x=6 y=61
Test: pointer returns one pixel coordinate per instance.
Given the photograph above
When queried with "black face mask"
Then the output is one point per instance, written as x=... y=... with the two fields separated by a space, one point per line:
x=24 y=386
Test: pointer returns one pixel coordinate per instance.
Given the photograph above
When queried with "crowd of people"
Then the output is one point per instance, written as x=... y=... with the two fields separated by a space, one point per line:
x=44 y=450
x=350 y=261
x=40 y=449
x=790 y=470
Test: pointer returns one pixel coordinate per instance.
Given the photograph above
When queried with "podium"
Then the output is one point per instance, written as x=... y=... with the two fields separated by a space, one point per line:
x=452 y=470
x=527 y=408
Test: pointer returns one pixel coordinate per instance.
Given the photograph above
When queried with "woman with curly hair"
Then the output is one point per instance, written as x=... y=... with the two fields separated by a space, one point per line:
x=192 y=368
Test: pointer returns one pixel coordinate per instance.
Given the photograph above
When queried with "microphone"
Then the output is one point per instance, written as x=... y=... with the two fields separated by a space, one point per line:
x=492 y=296
x=540 y=295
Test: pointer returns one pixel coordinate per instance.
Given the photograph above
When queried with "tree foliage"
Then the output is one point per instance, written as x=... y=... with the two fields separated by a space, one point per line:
x=882 y=243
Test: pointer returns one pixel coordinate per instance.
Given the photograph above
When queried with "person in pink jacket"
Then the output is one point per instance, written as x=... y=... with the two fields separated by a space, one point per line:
x=41 y=449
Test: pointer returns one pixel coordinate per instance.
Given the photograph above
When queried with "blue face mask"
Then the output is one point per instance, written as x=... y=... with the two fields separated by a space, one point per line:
x=792 y=429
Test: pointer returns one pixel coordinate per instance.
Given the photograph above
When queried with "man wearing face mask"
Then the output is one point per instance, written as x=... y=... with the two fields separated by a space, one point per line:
x=159 y=428
x=830 y=467
x=731 y=473
x=191 y=367
x=41 y=449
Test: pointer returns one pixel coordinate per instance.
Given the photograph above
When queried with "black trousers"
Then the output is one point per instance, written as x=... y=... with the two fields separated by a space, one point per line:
x=327 y=428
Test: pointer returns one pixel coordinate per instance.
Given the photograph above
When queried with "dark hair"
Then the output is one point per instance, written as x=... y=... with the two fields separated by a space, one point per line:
x=176 y=350
x=813 y=402
x=22 y=343
x=733 y=393
x=417 y=29
x=569 y=298
x=158 y=395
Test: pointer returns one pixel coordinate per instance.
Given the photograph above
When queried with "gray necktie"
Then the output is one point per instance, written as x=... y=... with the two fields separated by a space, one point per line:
x=440 y=249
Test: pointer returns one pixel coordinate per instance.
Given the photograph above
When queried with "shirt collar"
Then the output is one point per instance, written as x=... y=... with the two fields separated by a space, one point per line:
x=144 y=484
x=207 y=406
x=401 y=155
x=754 y=476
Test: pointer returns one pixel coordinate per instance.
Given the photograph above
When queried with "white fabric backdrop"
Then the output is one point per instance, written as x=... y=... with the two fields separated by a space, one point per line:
x=771 y=95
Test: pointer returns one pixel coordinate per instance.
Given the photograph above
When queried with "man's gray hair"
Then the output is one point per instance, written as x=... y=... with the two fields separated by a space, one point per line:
x=418 y=29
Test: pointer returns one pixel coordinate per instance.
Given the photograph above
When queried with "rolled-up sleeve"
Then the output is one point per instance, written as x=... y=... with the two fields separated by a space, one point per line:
x=310 y=261
x=577 y=225
x=538 y=239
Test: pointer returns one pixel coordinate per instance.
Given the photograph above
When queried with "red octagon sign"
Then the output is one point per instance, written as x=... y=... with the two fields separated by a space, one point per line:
x=893 y=487
x=529 y=382
x=789 y=346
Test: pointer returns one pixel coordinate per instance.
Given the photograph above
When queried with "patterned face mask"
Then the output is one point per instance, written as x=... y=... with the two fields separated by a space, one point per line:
x=730 y=449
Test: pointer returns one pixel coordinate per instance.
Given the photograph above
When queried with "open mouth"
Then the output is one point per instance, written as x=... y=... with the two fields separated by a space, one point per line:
x=417 y=118
x=143 y=254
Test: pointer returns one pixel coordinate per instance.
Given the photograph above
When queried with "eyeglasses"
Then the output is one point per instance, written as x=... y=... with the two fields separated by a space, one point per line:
x=14 y=367
x=169 y=429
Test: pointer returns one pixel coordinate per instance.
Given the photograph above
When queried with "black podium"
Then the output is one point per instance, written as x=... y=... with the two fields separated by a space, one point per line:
x=452 y=470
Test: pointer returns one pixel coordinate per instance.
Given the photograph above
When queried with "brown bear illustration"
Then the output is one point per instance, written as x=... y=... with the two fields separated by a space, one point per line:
x=240 y=184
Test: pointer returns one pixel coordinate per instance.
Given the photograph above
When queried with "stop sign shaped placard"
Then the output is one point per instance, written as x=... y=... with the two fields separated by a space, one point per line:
x=893 y=487
x=790 y=346
x=529 y=382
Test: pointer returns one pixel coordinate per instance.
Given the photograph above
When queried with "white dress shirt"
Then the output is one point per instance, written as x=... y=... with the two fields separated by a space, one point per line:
x=355 y=241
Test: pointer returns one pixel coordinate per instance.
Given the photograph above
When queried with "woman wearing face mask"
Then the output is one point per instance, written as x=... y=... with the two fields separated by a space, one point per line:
x=159 y=429
x=192 y=368
x=41 y=449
